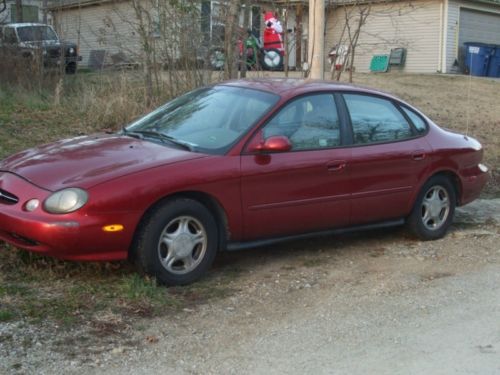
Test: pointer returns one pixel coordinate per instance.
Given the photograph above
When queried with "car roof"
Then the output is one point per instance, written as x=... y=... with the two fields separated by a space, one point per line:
x=296 y=86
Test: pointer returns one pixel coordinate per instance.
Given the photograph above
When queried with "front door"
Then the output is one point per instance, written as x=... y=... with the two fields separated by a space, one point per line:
x=302 y=190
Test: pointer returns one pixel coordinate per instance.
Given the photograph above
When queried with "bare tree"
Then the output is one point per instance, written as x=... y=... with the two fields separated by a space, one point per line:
x=231 y=40
x=3 y=8
x=144 y=22
x=246 y=18
x=355 y=15
x=363 y=12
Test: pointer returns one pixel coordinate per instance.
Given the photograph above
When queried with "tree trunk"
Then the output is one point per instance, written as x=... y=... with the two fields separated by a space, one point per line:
x=298 y=37
x=231 y=40
x=19 y=10
x=246 y=26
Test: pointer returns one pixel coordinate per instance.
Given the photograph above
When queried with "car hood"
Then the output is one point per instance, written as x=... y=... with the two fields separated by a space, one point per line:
x=89 y=160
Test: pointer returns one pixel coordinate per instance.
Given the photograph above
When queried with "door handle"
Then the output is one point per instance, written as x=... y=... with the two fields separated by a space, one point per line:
x=336 y=166
x=418 y=155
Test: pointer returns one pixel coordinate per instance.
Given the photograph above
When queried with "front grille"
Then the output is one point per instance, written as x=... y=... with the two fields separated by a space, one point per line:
x=54 y=52
x=8 y=198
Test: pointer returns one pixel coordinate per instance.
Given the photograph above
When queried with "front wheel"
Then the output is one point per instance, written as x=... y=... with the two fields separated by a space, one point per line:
x=434 y=209
x=71 y=68
x=177 y=242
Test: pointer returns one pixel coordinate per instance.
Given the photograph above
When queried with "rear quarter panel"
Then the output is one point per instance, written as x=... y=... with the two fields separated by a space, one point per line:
x=457 y=154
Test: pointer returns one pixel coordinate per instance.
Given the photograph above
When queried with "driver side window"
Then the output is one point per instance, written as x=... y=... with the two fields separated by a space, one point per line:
x=310 y=123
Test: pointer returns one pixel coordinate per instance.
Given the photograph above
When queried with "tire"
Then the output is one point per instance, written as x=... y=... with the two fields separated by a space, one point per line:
x=434 y=208
x=177 y=242
x=71 y=68
x=272 y=59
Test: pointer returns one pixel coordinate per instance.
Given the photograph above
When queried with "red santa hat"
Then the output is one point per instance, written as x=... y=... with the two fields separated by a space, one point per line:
x=268 y=16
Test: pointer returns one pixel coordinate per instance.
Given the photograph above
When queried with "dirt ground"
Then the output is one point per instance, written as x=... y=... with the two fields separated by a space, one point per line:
x=377 y=302
x=374 y=302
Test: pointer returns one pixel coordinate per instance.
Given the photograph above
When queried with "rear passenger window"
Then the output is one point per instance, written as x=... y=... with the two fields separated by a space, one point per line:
x=376 y=120
x=417 y=121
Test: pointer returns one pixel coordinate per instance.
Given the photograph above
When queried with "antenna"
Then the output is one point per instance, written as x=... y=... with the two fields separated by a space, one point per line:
x=467 y=115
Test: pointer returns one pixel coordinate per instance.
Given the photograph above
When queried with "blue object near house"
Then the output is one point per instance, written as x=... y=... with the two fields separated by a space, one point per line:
x=494 y=63
x=477 y=58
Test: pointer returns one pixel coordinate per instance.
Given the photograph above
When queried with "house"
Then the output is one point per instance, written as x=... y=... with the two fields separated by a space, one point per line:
x=107 y=29
x=433 y=32
x=33 y=11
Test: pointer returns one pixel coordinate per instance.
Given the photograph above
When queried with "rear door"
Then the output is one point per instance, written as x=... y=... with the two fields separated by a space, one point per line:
x=302 y=190
x=389 y=158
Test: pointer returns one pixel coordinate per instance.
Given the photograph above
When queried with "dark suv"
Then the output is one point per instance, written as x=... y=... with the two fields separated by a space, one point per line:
x=32 y=40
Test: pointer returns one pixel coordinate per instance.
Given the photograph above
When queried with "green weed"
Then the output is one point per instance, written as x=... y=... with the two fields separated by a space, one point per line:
x=6 y=316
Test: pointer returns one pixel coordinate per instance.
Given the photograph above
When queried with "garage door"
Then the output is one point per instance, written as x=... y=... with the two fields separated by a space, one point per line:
x=478 y=27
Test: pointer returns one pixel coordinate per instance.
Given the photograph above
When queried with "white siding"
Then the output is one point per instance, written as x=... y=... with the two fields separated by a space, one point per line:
x=108 y=27
x=414 y=26
x=452 y=31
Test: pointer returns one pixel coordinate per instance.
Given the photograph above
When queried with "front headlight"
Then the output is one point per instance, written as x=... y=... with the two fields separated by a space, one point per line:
x=65 y=201
x=71 y=51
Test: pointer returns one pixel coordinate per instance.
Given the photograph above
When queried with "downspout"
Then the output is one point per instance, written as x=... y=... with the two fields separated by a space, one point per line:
x=444 y=36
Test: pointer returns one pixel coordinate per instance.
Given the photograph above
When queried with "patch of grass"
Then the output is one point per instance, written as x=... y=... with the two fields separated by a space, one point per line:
x=6 y=316
x=314 y=262
x=40 y=289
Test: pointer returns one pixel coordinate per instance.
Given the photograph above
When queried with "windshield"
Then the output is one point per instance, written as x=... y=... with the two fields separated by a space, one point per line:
x=35 y=33
x=209 y=119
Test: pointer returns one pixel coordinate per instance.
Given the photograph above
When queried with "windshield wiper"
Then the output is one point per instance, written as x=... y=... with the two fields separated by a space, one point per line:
x=132 y=133
x=156 y=134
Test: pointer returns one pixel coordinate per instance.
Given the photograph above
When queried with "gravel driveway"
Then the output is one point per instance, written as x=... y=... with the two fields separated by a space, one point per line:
x=371 y=302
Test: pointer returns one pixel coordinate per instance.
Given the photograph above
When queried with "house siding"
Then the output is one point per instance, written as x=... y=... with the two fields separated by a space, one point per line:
x=416 y=27
x=106 y=26
x=451 y=47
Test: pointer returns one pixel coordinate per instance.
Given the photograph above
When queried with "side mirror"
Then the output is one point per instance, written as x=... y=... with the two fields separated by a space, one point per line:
x=277 y=143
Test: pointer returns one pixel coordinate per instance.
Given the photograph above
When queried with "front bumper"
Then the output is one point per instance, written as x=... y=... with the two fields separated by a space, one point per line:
x=56 y=61
x=74 y=236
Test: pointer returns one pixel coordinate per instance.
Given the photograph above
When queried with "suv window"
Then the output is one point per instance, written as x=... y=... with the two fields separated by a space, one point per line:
x=310 y=123
x=375 y=120
x=36 y=33
x=417 y=121
x=10 y=35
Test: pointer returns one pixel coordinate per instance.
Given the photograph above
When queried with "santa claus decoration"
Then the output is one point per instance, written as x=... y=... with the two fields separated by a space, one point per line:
x=272 y=33
x=274 y=50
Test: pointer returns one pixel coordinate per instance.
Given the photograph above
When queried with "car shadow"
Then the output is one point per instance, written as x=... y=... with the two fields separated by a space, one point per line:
x=292 y=251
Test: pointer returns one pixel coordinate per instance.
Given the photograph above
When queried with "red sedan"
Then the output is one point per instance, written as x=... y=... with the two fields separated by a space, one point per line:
x=235 y=165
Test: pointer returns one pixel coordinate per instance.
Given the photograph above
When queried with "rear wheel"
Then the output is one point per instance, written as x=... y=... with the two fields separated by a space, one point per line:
x=434 y=209
x=177 y=242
